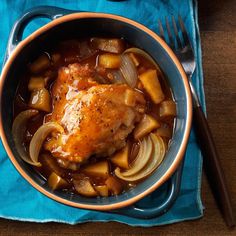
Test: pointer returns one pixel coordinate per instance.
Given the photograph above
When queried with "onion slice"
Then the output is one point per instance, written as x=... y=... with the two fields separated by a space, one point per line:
x=128 y=70
x=117 y=77
x=142 y=157
x=39 y=137
x=18 y=131
x=145 y=55
x=158 y=155
x=154 y=161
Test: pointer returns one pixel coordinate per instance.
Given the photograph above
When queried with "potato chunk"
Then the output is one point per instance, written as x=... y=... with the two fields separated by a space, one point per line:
x=100 y=169
x=147 y=124
x=114 y=185
x=167 y=108
x=102 y=190
x=108 y=45
x=121 y=158
x=40 y=100
x=152 y=85
x=85 y=188
x=40 y=64
x=130 y=98
x=56 y=182
x=36 y=83
x=164 y=131
x=109 y=61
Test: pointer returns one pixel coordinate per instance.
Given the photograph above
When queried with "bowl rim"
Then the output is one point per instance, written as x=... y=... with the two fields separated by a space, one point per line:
x=180 y=154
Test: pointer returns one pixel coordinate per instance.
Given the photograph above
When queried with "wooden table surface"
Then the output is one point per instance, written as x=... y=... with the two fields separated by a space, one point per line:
x=217 y=21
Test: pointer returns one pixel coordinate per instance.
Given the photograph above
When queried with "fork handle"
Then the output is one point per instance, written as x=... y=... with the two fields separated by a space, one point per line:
x=213 y=169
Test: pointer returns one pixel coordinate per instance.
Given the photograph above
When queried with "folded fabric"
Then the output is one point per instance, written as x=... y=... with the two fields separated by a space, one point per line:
x=20 y=201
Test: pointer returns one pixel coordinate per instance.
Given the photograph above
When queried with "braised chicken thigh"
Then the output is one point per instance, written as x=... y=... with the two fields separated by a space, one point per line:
x=97 y=118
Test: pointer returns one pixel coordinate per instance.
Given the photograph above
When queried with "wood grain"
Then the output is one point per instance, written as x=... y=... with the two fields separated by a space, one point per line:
x=218 y=33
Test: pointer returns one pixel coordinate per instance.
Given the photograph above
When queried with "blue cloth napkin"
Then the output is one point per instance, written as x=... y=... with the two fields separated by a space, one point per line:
x=20 y=201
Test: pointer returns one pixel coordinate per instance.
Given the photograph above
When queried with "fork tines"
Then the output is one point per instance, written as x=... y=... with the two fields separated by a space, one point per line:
x=170 y=39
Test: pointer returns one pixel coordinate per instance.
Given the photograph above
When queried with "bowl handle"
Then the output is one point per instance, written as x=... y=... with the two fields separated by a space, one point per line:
x=19 y=26
x=154 y=211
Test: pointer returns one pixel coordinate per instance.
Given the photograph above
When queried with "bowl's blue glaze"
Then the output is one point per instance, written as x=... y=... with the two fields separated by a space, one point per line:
x=99 y=27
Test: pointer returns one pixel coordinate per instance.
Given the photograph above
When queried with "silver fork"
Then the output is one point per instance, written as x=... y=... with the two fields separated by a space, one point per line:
x=185 y=53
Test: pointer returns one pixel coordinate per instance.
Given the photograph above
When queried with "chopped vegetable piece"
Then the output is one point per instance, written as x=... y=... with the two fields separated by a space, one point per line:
x=84 y=187
x=41 y=63
x=102 y=190
x=134 y=59
x=167 y=108
x=164 y=131
x=110 y=61
x=40 y=136
x=114 y=185
x=128 y=70
x=36 y=83
x=108 y=45
x=121 y=158
x=154 y=161
x=152 y=85
x=40 y=100
x=100 y=169
x=142 y=158
x=56 y=182
x=147 y=124
x=19 y=128
x=130 y=98
x=146 y=56
x=159 y=151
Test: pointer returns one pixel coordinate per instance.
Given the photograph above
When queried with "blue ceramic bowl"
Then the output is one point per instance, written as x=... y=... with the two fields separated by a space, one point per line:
x=94 y=24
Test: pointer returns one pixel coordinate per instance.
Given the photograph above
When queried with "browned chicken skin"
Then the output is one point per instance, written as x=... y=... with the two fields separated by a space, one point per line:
x=97 y=118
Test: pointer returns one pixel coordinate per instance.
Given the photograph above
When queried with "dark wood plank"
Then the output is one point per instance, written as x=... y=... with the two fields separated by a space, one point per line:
x=217 y=15
x=218 y=32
